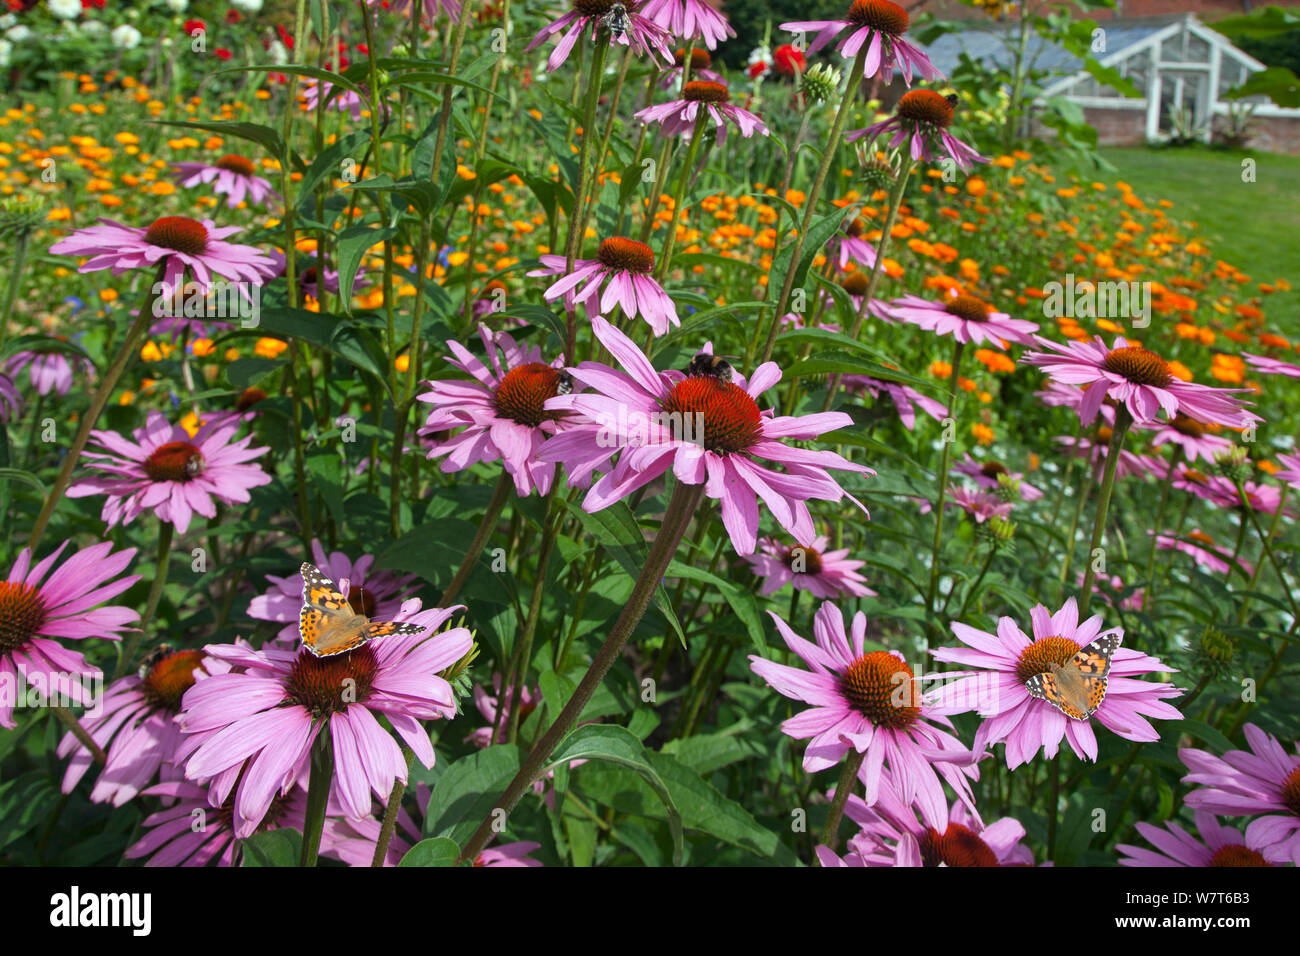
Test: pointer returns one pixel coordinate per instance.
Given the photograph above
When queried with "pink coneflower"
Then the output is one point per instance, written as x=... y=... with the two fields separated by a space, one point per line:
x=11 y=400
x=921 y=119
x=980 y=505
x=1218 y=845
x=348 y=101
x=176 y=241
x=489 y=707
x=625 y=267
x=1289 y=473
x=191 y=832
x=1129 y=464
x=848 y=245
x=964 y=317
x=641 y=34
x=708 y=431
x=502 y=411
x=702 y=98
x=880 y=23
x=1223 y=493
x=41 y=602
x=430 y=10
x=379 y=595
x=689 y=19
x=811 y=568
x=993 y=475
x=136 y=727
x=353 y=841
x=856 y=284
x=891 y=835
x=856 y=703
x=253 y=732
x=1191 y=436
x=50 y=371
x=509 y=854
x=1110 y=588
x=700 y=63
x=1056 y=394
x=168 y=473
x=1271 y=366
x=905 y=398
x=234 y=177
x=1138 y=378
x=1265 y=780
x=1005 y=664
x=1201 y=547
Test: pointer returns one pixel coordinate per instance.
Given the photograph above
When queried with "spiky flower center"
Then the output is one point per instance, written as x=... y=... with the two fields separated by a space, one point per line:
x=328 y=685
x=522 y=394
x=166 y=682
x=856 y=228
x=731 y=419
x=626 y=255
x=925 y=106
x=991 y=469
x=880 y=687
x=704 y=91
x=804 y=561
x=174 y=461
x=237 y=164
x=879 y=15
x=956 y=846
x=22 y=613
x=1291 y=791
x=308 y=276
x=1140 y=366
x=1187 y=426
x=1044 y=656
x=968 y=307
x=178 y=233
x=249 y=397
x=855 y=283
x=592 y=8
x=700 y=59
x=1237 y=855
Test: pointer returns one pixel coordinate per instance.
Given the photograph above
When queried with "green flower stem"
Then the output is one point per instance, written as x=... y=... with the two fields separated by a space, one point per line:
x=1159 y=524
x=1272 y=533
x=318 y=791
x=681 y=510
x=499 y=497
x=390 y=811
x=830 y=834
x=810 y=203
x=80 y=732
x=1249 y=513
x=534 y=614
x=1089 y=479
x=595 y=76
x=1122 y=422
x=130 y=348
x=165 y=532
x=15 y=280
x=932 y=590
x=683 y=178
x=1054 y=799
x=895 y=201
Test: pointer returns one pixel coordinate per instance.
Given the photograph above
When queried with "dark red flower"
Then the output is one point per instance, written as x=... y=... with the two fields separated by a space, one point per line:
x=756 y=69
x=786 y=60
x=191 y=26
x=222 y=53
x=232 y=16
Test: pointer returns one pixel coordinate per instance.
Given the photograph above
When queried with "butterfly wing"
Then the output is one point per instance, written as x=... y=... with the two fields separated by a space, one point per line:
x=327 y=623
x=1046 y=687
x=1094 y=659
x=384 y=628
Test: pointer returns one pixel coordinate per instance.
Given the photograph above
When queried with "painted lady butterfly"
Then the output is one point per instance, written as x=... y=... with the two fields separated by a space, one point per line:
x=329 y=625
x=1077 y=687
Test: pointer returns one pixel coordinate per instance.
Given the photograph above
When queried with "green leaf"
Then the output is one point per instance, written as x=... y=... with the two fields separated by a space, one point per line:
x=741 y=600
x=26 y=477
x=279 y=847
x=24 y=801
x=353 y=243
x=468 y=791
x=617 y=529
x=617 y=745
x=1267 y=22
x=436 y=851
x=326 y=165
x=263 y=136
x=1277 y=83
x=820 y=232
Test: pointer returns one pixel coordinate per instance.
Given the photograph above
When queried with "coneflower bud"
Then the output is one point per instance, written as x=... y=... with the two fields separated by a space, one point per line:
x=1008 y=488
x=1214 y=653
x=1233 y=464
x=20 y=214
x=820 y=83
x=878 y=175
x=998 y=531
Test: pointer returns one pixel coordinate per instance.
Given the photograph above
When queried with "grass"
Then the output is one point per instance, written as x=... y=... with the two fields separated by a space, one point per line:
x=1251 y=225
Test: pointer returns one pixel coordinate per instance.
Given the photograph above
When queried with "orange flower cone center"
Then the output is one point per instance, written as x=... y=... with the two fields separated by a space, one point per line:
x=956 y=846
x=22 y=613
x=522 y=394
x=1237 y=855
x=855 y=283
x=1044 y=656
x=879 y=15
x=626 y=255
x=174 y=461
x=237 y=164
x=179 y=233
x=730 y=418
x=1140 y=366
x=926 y=106
x=166 y=681
x=968 y=307
x=327 y=685
x=703 y=91
x=881 y=688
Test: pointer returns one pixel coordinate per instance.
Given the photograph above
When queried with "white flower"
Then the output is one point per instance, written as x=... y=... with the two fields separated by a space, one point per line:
x=248 y=6
x=279 y=53
x=177 y=6
x=94 y=28
x=126 y=37
x=19 y=33
x=7 y=21
x=65 y=9
x=5 y=48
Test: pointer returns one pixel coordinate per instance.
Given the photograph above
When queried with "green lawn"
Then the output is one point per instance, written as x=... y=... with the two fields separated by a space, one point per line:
x=1255 y=226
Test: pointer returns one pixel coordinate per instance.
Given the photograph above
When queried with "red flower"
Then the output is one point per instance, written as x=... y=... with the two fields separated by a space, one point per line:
x=222 y=53
x=96 y=4
x=190 y=26
x=232 y=16
x=285 y=37
x=756 y=69
x=786 y=59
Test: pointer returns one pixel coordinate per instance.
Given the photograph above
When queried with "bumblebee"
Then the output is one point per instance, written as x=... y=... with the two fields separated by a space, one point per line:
x=711 y=365
x=953 y=99
x=564 y=384
x=616 y=20
x=152 y=658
